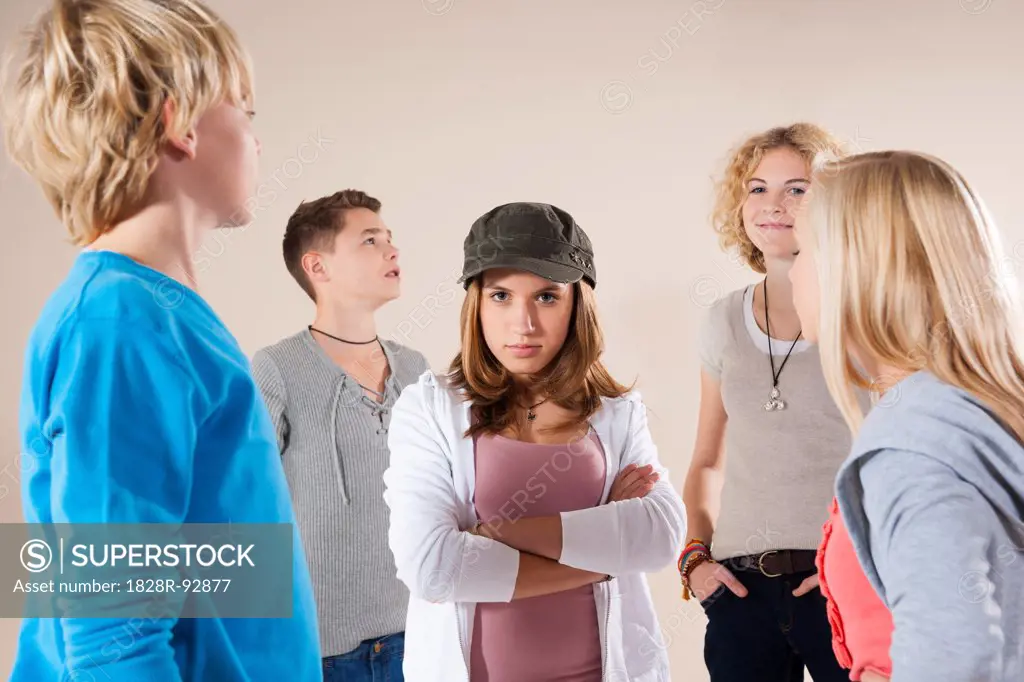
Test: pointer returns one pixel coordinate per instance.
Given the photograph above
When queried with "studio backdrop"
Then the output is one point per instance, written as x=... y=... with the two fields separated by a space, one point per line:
x=620 y=112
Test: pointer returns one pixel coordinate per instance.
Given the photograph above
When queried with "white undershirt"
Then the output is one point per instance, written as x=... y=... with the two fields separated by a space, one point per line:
x=760 y=339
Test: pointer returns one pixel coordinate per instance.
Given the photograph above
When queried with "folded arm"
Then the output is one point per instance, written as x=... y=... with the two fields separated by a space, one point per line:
x=122 y=407
x=434 y=557
x=539 y=576
x=639 y=535
x=542 y=535
x=437 y=559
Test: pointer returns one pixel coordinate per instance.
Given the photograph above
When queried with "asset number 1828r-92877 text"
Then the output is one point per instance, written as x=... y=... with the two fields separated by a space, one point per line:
x=186 y=585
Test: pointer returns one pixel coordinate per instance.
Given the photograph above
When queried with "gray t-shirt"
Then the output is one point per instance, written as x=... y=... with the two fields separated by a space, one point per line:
x=780 y=465
x=335 y=451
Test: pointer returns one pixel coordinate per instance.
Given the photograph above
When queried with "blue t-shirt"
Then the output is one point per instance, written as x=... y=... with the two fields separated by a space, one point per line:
x=138 y=406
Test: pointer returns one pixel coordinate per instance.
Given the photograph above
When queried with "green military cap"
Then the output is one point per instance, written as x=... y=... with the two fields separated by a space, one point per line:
x=535 y=237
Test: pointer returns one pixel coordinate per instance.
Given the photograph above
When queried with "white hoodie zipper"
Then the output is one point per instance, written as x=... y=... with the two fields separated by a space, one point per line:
x=607 y=621
x=459 y=608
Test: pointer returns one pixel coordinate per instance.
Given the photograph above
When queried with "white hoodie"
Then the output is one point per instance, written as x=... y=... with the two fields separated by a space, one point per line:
x=429 y=490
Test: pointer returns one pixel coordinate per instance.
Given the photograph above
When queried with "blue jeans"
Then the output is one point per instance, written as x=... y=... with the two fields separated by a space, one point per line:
x=769 y=635
x=375 y=660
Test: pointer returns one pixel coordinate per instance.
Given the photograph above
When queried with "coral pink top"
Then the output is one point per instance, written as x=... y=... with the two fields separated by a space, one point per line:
x=861 y=624
x=552 y=637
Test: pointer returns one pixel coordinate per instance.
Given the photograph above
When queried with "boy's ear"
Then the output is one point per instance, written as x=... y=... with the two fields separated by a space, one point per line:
x=313 y=266
x=185 y=144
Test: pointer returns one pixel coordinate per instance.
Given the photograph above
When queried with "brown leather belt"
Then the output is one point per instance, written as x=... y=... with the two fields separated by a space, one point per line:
x=775 y=563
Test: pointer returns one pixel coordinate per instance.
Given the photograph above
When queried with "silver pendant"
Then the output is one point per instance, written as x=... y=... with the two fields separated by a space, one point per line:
x=530 y=416
x=774 y=404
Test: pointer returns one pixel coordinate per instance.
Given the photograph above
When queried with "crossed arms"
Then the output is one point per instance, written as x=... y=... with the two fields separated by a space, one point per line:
x=640 y=528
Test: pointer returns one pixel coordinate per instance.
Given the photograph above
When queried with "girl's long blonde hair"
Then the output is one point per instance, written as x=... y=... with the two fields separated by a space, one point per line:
x=913 y=275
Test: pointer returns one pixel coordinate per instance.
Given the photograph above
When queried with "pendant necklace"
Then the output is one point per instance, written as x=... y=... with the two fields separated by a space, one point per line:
x=530 y=414
x=775 y=402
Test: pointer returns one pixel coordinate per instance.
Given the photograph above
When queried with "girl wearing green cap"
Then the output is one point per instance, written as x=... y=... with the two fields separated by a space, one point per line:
x=526 y=496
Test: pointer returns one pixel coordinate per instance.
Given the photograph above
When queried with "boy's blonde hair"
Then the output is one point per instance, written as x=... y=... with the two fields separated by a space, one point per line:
x=913 y=275
x=807 y=139
x=84 y=115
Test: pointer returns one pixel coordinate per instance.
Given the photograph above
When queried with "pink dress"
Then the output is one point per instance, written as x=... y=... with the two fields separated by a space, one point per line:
x=553 y=637
x=861 y=624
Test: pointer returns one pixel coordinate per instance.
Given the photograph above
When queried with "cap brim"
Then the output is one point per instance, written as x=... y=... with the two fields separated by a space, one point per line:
x=555 y=272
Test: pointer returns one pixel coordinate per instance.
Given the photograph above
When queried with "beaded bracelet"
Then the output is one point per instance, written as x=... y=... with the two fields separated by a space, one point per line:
x=695 y=546
x=695 y=553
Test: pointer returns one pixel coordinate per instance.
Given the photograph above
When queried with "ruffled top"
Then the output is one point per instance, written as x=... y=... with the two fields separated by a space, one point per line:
x=861 y=624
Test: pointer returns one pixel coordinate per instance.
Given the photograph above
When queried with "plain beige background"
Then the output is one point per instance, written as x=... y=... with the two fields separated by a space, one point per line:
x=620 y=112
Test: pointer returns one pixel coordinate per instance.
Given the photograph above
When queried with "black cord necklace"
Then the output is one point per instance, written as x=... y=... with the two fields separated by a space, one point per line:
x=338 y=338
x=380 y=396
x=775 y=403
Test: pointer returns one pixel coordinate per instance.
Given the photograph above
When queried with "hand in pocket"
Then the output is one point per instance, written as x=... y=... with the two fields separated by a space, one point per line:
x=806 y=586
x=708 y=576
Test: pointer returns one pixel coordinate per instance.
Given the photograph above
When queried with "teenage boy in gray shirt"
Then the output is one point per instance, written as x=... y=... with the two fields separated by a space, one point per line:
x=330 y=389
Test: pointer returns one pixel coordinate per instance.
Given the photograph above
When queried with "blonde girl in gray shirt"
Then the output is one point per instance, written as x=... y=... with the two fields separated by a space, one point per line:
x=769 y=438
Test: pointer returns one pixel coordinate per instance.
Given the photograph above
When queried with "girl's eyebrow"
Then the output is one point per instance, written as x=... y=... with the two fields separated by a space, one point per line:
x=550 y=289
x=788 y=182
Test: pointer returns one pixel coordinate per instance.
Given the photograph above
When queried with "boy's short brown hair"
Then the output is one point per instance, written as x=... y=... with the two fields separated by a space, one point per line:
x=85 y=113
x=315 y=224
